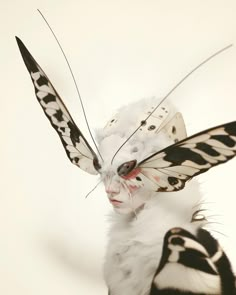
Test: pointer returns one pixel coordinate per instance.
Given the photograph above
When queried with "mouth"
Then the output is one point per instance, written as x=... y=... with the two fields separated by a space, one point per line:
x=115 y=202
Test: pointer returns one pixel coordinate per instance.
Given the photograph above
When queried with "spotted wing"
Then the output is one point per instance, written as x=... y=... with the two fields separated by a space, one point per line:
x=175 y=128
x=164 y=119
x=187 y=265
x=76 y=146
x=169 y=169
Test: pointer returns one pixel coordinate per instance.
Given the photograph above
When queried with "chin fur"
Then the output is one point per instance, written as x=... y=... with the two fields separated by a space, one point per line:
x=135 y=242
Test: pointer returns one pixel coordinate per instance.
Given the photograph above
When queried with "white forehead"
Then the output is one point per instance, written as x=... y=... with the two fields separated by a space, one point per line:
x=146 y=140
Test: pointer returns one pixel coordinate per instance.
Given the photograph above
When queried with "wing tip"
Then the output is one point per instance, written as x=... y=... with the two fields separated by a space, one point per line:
x=27 y=57
x=230 y=128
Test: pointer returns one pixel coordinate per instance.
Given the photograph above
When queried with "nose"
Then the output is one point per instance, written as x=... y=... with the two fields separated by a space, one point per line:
x=112 y=190
x=112 y=186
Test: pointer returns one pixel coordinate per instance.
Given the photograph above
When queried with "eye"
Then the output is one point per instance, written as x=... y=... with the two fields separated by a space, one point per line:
x=126 y=168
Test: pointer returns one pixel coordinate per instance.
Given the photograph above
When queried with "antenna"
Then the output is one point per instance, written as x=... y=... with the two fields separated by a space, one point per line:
x=73 y=77
x=143 y=122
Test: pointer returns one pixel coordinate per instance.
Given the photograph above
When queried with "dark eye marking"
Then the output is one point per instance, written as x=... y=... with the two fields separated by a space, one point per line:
x=126 y=168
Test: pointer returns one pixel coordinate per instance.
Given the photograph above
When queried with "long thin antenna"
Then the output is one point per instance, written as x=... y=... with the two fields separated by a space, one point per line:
x=73 y=77
x=143 y=122
x=93 y=189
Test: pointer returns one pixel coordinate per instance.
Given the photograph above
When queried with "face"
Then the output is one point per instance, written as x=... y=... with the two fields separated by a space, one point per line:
x=125 y=189
x=124 y=196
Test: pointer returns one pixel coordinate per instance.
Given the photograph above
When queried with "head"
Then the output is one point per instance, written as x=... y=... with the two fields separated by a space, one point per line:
x=117 y=172
x=122 y=194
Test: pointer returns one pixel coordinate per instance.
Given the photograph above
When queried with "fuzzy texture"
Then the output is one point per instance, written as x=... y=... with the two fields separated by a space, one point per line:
x=136 y=239
x=135 y=244
x=144 y=142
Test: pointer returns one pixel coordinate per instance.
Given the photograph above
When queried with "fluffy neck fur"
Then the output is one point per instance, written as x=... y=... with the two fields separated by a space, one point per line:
x=135 y=242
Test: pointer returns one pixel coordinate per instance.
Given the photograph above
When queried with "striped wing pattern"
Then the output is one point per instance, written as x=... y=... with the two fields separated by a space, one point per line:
x=169 y=169
x=77 y=148
x=190 y=265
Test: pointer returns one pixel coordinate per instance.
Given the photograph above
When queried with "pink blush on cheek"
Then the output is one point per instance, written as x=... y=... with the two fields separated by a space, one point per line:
x=132 y=174
x=132 y=188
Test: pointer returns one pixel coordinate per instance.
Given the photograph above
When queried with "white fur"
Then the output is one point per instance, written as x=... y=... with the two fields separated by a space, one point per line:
x=135 y=240
x=135 y=243
x=127 y=120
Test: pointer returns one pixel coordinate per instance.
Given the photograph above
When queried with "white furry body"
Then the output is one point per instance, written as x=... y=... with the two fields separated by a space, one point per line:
x=136 y=235
x=135 y=243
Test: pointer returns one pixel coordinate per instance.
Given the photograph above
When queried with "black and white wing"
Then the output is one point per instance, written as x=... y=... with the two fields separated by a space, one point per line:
x=169 y=169
x=76 y=146
x=188 y=266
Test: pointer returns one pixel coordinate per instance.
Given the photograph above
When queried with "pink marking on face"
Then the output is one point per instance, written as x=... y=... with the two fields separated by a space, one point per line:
x=132 y=174
x=132 y=188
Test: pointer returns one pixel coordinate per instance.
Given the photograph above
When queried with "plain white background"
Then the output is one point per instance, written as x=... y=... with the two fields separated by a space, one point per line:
x=52 y=239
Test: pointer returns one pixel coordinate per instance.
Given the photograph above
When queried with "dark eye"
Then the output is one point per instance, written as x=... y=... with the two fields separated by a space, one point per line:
x=126 y=168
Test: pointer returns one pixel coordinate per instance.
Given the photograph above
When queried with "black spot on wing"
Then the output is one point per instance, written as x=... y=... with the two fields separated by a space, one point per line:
x=74 y=133
x=172 y=180
x=62 y=129
x=177 y=155
x=162 y=189
x=151 y=127
x=76 y=160
x=96 y=163
x=207 y=149
x=59 y=115
x=196 y=260
x=42 y=80
x=225 y=139
x=177 y=241
x=208 y=241
x=49 y=98
x=230 y=128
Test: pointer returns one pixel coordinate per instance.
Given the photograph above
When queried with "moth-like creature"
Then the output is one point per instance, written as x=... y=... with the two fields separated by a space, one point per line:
x=145 y=159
